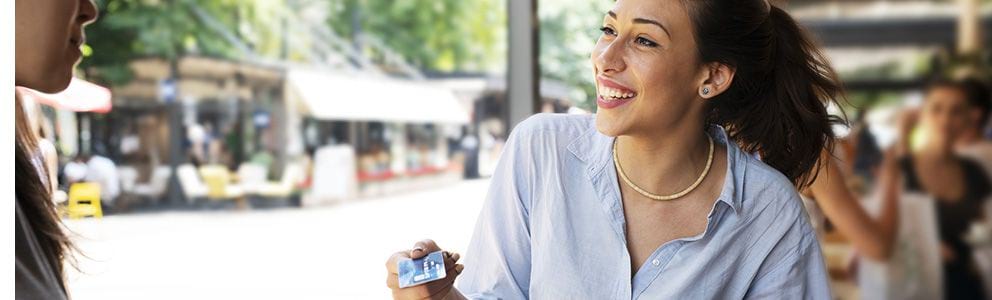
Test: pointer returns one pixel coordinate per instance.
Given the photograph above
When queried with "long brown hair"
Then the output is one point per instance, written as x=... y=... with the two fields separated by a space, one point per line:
x=776 y=105
x=34 y=197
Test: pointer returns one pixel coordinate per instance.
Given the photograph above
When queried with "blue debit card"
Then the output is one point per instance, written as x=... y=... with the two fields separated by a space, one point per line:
x=418 y=271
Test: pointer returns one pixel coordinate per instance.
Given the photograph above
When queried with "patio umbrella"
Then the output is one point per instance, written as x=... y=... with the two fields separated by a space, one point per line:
x=80 y=96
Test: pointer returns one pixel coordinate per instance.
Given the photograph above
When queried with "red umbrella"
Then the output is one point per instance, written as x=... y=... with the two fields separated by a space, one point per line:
x=80 y=96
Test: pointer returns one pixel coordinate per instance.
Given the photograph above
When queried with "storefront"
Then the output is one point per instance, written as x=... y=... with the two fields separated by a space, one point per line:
x=197 y=111
x=398 y=132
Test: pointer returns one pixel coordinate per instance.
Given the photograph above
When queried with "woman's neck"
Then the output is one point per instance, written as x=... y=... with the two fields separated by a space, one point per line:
x=664 y=161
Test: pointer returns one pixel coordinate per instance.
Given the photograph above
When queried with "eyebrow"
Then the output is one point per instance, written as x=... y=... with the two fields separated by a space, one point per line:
x=644 y=21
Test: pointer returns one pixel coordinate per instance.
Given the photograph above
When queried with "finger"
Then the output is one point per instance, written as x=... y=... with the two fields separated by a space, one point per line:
x=422 y=248
x=394 y=260
x=449 y=267
x=436 y=287
x=451 y=258
x=425 y=291
x=442 y=292
x=392 y=281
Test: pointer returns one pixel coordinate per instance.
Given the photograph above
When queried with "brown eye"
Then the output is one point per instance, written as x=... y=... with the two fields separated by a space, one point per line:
x=608 y=31
x=645 y=42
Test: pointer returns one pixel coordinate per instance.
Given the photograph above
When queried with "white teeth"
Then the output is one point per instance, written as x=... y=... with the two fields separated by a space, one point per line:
x=613 y=93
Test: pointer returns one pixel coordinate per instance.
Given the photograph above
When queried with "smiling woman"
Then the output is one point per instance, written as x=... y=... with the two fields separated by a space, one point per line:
x=653 y=198
x=47 y=40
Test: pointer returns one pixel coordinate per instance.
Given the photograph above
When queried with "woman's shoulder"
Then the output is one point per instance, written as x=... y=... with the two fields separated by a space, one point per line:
x=561 y=124
x=550 y=130
x=765 y=189
x=762 y=177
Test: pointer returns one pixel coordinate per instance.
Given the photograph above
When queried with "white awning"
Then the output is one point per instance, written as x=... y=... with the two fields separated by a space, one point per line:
x=79 y=96
x=335 y=96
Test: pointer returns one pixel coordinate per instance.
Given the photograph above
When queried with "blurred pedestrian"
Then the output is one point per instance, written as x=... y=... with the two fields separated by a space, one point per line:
x=48 y=34
x=959 y=185
x=75 y=170
x=196 y=134
x=103 y=171
x=972 y=143
x=470 y=146
x=867 y=155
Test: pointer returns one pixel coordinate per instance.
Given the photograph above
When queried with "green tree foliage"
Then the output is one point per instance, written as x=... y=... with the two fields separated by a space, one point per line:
x=443 y=35
x=439 y=35
x=569 y=30
x=163 y=28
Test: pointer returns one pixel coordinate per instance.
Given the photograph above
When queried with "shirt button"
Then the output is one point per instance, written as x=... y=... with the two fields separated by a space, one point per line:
x=655 y=262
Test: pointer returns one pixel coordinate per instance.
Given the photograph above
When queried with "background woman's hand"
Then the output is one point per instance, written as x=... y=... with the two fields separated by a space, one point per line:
x=908 y=120
x=440 y=289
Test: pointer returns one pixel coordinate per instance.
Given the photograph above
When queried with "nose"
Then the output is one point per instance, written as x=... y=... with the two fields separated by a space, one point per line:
x=87 y=12
x=609 y=57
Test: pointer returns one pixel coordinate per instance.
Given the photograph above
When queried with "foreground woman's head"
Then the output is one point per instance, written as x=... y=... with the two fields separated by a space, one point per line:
x=662 y=65
x=47 y=40
x=48 y=34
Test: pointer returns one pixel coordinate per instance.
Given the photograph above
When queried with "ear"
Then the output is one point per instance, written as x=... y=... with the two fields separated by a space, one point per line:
x=717 y=78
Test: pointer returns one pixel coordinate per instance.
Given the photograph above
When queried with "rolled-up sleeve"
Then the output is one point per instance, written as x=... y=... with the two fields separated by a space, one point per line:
x=497 y=262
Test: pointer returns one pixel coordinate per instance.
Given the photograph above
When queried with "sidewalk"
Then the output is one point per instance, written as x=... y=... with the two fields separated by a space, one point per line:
x=334 y=252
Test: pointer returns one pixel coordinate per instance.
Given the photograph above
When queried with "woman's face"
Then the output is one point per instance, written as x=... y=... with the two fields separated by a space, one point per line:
x=945 y=114
x=47 y=40
x=647 y=69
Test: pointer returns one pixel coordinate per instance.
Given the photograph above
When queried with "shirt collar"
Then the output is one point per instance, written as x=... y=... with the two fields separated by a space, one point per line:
x=595 y=150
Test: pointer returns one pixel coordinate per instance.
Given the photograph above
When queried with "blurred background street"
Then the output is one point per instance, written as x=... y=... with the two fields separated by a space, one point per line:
x=322 y=253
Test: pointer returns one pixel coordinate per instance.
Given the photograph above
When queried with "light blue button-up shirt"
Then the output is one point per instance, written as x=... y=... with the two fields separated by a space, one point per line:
x=552 y=227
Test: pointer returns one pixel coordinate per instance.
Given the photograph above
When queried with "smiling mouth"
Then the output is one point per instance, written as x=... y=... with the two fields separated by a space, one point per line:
x=614 y=94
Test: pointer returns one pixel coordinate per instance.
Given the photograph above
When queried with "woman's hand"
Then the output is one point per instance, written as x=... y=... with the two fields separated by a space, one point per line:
x=908 y=120
x=435 y=290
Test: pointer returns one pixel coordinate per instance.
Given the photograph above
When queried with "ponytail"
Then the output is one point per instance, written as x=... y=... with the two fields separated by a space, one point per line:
x=776 y=105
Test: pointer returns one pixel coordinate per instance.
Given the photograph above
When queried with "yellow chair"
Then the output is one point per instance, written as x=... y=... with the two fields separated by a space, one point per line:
x=218 y=180
x=84 y=200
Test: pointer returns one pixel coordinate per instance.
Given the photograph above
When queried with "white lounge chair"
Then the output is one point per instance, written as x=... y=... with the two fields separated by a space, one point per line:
x=193 y=187
x=156 y=186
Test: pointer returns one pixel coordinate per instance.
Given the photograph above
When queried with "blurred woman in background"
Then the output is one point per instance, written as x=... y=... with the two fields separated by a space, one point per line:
x=973 y=142
x=960 y=186
x=47 y=40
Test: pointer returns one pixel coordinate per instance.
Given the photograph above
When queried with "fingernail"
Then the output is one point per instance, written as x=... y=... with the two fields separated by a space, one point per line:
x=415 y=249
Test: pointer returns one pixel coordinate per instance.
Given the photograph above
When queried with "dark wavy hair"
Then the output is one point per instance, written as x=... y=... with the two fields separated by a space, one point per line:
x=776 y=105
x=33 y=196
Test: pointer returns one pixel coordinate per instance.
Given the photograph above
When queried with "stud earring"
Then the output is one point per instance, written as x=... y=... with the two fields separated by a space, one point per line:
x=706 y=91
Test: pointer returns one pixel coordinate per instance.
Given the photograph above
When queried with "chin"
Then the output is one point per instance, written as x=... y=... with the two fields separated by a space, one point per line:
x=57 y=83
x=607 y=125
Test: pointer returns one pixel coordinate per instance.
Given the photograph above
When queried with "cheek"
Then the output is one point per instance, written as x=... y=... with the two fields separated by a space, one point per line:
x=664 y=83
